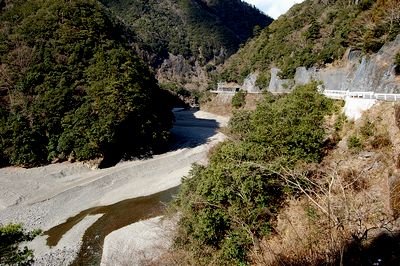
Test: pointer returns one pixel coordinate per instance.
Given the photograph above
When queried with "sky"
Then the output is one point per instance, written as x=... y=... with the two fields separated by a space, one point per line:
x=273 y=8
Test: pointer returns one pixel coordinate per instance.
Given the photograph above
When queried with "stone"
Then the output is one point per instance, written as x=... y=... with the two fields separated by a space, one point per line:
x=375 y=73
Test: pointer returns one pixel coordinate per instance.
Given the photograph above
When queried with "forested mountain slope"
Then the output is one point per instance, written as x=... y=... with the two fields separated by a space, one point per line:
x=316 y=33
x=179 y=38
x=72 y=87
x=294 y=184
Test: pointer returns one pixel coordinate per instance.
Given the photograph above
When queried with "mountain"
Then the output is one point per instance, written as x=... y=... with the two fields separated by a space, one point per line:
x=281 y=189
x=315 y=33
x=74 y=75
x=71 y=86
x=184 y=39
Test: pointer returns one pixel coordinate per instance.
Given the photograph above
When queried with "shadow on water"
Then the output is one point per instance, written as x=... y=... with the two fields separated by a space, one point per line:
x=190 y=131
x=114 y=217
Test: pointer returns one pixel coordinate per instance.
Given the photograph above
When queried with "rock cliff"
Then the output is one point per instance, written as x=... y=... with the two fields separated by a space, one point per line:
x=355 y=72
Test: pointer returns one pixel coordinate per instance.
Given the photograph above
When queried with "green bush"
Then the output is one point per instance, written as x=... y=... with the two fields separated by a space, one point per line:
x=239 y=99
x=11 y=236
x=240 y=123
x=312 y=32
x=222 y=204
x=226 y=207
x=292 y=125
x=340 y=121
x=367 y=129
x=263 y=80
x=354 y=143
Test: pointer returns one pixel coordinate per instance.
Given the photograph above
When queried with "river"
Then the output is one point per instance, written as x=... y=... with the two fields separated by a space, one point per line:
x=71 y=201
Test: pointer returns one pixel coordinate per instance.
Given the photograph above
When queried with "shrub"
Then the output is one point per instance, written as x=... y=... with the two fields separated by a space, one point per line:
x=293 y=125
x=263 y=80
x=312 y=32
x=366 y=4
x=11 y=236
x=240 y=123
x=227 y=206
x=340 y=121
x=367 y=129
x=354 y=143
x=381 y=141
x=239 y=99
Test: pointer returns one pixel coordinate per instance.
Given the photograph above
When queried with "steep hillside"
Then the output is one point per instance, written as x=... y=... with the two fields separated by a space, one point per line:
x=350 y=216
x=179 y=38
x=295 y=183
x=226 y=207
x=316 y=33
x=72 y=87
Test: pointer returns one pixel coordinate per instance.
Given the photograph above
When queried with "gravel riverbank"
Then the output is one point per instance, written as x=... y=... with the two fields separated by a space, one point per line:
x=46 y=196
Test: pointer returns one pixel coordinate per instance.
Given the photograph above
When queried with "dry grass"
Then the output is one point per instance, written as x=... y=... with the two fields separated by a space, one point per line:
x=397 y=114
x=395 y=195
x=352 y=200
x=221 y=104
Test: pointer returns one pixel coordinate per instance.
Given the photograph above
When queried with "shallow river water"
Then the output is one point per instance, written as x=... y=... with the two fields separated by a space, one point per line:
x=114 y=217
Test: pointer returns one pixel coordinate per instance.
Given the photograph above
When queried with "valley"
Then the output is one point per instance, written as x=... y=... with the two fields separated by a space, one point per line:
x=47 y=196
x=199 y=132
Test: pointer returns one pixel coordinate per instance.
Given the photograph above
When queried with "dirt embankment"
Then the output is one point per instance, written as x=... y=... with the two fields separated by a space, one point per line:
x=221 y=104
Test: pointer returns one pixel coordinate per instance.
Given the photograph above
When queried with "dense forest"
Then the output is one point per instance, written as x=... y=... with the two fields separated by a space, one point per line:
x=71 y=86
x=200 y=29
x=73 y=83
x=202 y=34
x=315 y=33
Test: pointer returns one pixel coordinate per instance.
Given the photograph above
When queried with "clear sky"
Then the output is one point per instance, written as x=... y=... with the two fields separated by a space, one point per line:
x=273 y=8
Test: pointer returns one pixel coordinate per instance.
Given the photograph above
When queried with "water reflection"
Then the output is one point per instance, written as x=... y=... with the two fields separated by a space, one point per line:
x=114 y=217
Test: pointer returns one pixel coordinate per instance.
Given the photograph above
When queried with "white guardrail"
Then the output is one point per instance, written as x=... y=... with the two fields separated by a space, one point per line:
x=335 y=94
x=233 y=92
x=340 y=95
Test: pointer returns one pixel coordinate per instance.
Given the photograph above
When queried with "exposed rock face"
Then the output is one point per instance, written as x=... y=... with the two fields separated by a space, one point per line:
x=249 y=84
x=279 y=85
x=177 y=69
x=374 y=73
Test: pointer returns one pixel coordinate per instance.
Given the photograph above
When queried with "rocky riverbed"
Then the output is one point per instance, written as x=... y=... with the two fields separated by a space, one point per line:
x=45 y=197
